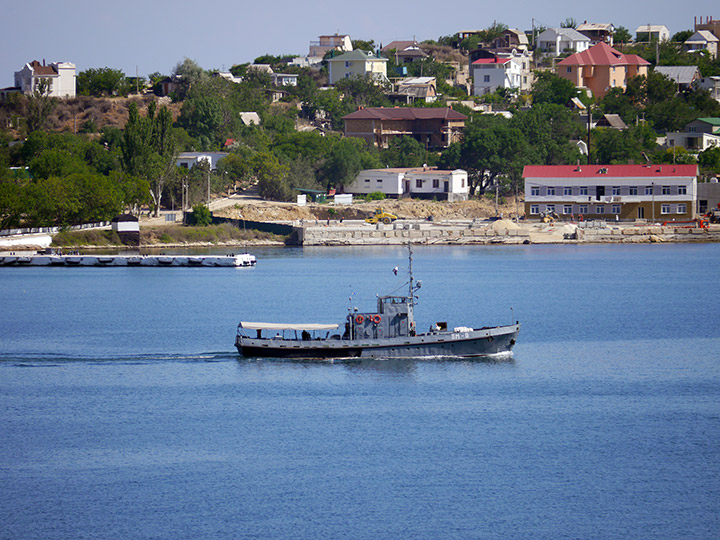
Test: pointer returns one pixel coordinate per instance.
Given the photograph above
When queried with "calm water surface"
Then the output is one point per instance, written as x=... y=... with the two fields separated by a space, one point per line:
x=126 y=413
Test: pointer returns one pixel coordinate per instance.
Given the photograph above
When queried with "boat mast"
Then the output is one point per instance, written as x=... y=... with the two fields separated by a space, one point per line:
x=411 y=299
x=411 y=274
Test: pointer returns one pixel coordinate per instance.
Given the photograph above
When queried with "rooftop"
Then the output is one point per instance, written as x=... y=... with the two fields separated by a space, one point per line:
x=602 y=54
x=405 y=113
x=611 y=171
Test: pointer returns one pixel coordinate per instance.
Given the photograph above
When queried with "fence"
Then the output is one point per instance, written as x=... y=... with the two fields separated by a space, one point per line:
x=53 y=230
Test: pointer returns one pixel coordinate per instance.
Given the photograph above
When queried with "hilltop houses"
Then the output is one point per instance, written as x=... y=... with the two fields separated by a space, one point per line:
x=60 y=76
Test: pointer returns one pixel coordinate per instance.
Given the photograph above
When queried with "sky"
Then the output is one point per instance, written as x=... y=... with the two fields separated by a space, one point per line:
x=154 y=35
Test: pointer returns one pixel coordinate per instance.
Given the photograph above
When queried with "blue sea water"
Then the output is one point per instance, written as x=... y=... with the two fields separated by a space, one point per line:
x=126 y=413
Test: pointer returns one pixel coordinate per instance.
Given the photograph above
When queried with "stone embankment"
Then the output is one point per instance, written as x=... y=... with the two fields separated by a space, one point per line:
x=350 y=233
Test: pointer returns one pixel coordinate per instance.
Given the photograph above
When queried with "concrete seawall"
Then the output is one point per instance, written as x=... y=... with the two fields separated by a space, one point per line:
x=497 y=232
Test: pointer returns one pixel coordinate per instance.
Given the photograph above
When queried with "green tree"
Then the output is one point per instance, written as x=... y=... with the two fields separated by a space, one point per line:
x=344 y=161
x=709 y=161
x=100 y=82
x=40 y=105
x=569 y=22
x=201 y=215
x=682 y=36
x=148 y=149
x=363 y=45
x=405 y=152
x=622 y=35
x=189 y=74
x=550 y=88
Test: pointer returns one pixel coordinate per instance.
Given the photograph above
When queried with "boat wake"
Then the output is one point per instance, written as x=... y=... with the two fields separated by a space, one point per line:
x=53 y=360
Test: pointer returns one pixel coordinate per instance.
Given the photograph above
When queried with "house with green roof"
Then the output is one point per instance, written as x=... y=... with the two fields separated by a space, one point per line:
x=697 y=136
x=356 y=63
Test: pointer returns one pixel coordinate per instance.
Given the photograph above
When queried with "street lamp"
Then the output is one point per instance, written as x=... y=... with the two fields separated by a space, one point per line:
x=652 y=193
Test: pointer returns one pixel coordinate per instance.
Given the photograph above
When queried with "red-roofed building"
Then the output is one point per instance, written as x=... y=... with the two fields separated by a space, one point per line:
x=495 y=70
x=601 y=68
x=434 y=127
x=653 y=192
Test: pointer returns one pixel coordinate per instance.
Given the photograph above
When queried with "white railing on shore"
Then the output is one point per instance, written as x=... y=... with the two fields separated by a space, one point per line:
x=52 y=230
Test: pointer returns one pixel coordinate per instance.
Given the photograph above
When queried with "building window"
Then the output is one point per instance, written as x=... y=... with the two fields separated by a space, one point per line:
x=436 y=183
x=550 y=208
x=534 y=209
x=567 y=191
x=462 y=183
x=379 y=181
x=535 y=191
x=633 y=190
x=682 y=190
x=615 y=209
x=682 y=208
x=583 y=190
x=665 y=209
x=648 y=190
x=418 y=183
x=568 y=69
x=347 y=64
x=599 y=209
x=616 y=190
x=367 y=180
x=486 y=78
x=567 y=209
x=666 y=190
x=583 y=209
x=551 y=191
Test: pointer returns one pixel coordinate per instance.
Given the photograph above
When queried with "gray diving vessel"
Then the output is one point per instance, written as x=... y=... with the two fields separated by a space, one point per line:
x=389 y=332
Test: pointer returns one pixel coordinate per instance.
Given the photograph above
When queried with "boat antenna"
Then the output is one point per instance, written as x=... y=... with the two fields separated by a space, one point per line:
x=410 y=259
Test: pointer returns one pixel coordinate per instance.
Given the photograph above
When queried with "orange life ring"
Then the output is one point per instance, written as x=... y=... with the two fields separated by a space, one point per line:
x=376 y=318
x=359 y=319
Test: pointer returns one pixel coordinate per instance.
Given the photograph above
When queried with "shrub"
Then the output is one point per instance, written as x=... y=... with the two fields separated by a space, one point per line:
x=201 y=215
x=376 y=196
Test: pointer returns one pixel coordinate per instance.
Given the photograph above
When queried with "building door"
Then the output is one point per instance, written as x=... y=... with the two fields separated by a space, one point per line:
x=407 y=186
x=599 y=192
x=447 y=186
x=641 y=212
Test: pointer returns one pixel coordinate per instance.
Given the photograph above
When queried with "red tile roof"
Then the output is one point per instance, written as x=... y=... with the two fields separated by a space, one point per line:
x=39 y=69
x=491 y=61
x=602 y=54
x=610 y=171
x=405 y=113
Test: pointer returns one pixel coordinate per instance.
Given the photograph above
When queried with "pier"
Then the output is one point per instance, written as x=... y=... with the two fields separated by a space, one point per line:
x=156 y=261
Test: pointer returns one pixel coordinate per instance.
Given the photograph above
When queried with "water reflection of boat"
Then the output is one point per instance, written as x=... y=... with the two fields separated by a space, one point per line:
x=388 y=332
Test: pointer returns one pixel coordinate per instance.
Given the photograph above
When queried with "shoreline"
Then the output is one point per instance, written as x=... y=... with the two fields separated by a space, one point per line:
x=451 y=233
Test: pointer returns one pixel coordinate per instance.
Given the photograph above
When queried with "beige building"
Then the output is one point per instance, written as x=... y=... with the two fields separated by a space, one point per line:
x=356 y=64
x=601 y=68
x=628 y=192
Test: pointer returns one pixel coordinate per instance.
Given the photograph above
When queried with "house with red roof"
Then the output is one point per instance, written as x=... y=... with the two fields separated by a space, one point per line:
x=601 y=68
x=628 y=192
x=433 y=127
x=498 y=69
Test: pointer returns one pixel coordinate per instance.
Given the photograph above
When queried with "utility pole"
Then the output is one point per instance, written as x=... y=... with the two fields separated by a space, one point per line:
x=589 y=126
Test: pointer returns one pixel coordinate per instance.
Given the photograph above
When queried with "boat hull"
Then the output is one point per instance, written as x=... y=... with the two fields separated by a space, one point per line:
x=483 y=342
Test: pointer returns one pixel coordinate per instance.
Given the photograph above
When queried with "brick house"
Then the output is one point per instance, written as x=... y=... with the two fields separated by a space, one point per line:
x=433 y=127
